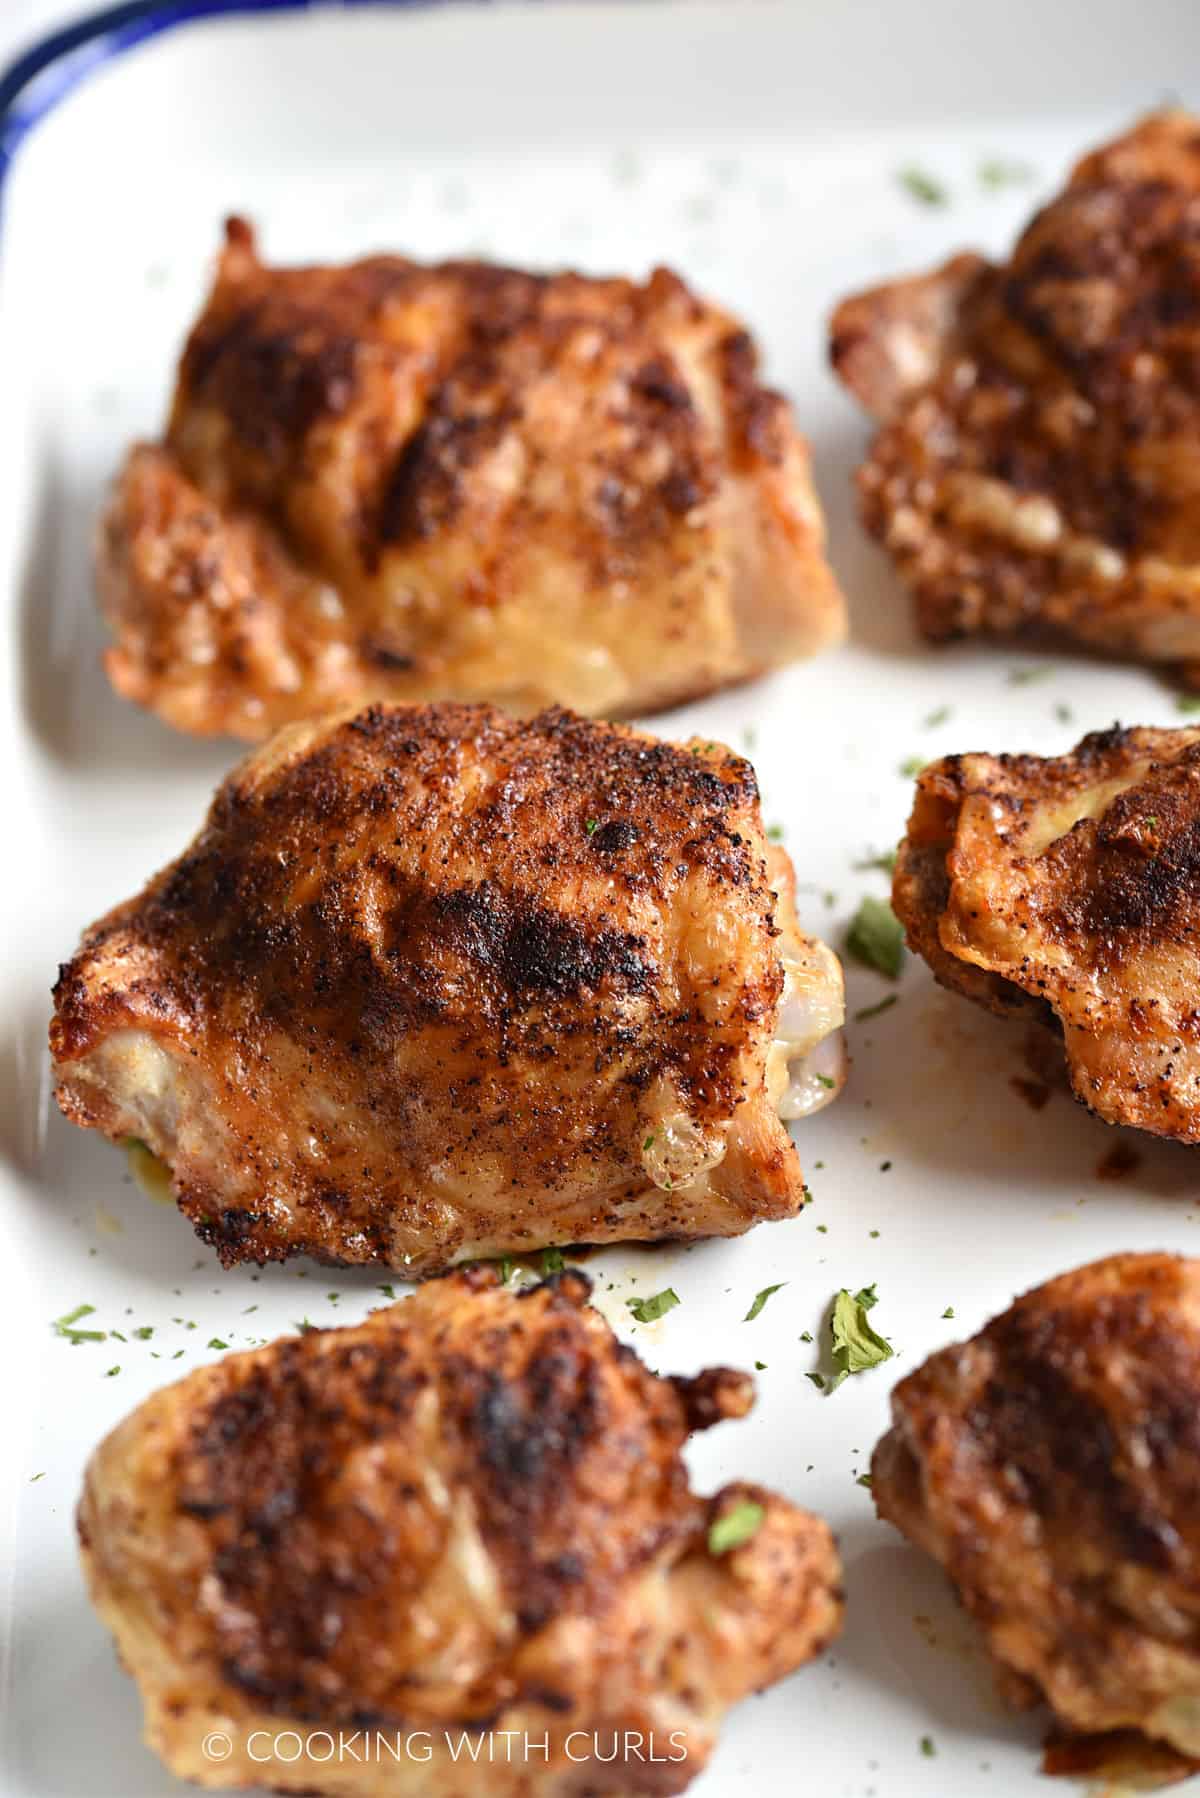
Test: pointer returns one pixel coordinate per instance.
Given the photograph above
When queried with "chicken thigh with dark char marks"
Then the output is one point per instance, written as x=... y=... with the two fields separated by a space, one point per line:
x=1037 y=466
x=468 y=1516
x=1052 y=1466
x=434 y=984
x=393 y=481
x=1067 y=888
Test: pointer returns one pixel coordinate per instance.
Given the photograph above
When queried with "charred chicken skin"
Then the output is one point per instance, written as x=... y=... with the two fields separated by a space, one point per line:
x=390 y=481
x=1037 y=469
x=1052 y=1466
x=1068 y=888
x=469 y=1515
x=434 y=984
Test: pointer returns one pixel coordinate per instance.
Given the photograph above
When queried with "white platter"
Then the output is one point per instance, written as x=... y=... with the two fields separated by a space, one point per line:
x=757 y=148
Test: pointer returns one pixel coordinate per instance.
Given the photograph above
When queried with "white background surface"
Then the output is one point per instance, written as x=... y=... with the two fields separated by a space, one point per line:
x=758 y=151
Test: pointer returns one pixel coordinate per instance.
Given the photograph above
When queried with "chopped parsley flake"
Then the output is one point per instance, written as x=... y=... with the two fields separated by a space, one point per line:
x=1003 y=171
x=387 y=1291
x=826 y=1082
x=817 y=1379
x=64 y=1326
x=304 y=1326
x=806 y=1335
x=873 y=1011
x=1025 y=677
x=923 y=187
x=215 y=1342
x=949 y=1311
x=648 y=1311
x=760 y=1367
x=734 y=1527
x=506 y=1270
x=112 y=1371
x=856 y=1345
x=939 y=716
x=911 y=766
x=552 y=1261
x=35 y=1477
x=864 y=1479
x=144 y=1332
x=928 y=1749
x=876 y=937
x=592 y=826
x=760 y=1299
x=775 y=833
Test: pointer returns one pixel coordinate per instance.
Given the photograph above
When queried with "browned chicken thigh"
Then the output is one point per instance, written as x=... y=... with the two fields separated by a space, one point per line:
x=1052 y=1466
x=468 y=1516
x=1037 y=469
x=393 y=481
x=1068 y=888
x=438 y=984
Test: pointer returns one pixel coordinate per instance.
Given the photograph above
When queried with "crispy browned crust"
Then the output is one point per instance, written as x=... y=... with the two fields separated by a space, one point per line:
x=384 y=480
x=434 y=983
x=1069 y=886
x=470 y=1512
x=1052 y=1466
x=1036 y=471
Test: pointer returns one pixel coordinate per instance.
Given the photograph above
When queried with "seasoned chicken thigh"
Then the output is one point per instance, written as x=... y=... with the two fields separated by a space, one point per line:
x=1052 y=1466
x=1068 y=887
x=1038 y=465
x=469 y=1515
x=437 y=984
x=392 y=481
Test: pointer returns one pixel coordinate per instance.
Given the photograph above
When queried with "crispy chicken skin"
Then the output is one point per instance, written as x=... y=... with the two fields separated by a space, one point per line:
x=1038 y=466
x=460 y=481
x=1068 y=887
x=1052 y=1466
x=468 y=1514
x=436 y=983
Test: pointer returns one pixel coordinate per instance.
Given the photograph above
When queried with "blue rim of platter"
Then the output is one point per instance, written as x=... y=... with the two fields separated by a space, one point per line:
x=36 y=80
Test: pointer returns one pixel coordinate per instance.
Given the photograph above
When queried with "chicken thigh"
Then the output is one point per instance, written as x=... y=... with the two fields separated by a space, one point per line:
x=392 y=481
x=1037 y=469
x=438 y=984
x=1068 y=888
x=458 y=1538
x=1052 y=1466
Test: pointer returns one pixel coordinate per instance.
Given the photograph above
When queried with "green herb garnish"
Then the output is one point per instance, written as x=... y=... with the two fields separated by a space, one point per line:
x=215 y=1342
x=857 y=1346
x=873 y=1011
x=912 y=765
x=760 y=1299
x=923 y=187
x=876 y=937
x=1003 y=171
x=63 y=1326
x=648 y=1311
x=552 y=1261
x=734 y=1527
